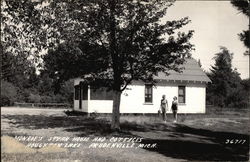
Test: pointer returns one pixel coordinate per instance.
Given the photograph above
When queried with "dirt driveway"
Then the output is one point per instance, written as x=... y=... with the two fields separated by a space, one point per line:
x=200 y=138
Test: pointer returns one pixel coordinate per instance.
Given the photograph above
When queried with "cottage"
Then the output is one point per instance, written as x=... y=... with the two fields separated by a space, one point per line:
x=139 y=97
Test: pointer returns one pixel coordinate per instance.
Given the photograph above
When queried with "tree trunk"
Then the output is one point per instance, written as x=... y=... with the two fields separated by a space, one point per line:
x=115 y=124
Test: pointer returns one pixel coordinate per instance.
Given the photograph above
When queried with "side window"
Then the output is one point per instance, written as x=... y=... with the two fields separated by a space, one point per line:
x=101 y=93
x=148 y=93
x=77 y=91
x=84 y=92
x=181 y=94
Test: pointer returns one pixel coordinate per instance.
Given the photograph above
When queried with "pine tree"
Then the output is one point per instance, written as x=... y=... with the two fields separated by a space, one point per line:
x=225 y=80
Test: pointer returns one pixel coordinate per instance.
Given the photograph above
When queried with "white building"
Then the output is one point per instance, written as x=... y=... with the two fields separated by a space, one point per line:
x=189 y=87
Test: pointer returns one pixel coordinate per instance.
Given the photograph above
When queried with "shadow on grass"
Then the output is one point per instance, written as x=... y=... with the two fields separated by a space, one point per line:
x=179 y=141
x=208 y=146
x=82 y=124
x=191 y=150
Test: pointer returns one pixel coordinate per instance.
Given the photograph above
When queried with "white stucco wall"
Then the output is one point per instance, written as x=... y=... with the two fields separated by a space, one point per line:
x=76 y=104
x=132 y=100
x=100 y=106
x=84 y=105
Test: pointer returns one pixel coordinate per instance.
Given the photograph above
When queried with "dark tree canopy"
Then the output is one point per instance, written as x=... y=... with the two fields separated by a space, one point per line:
x=143 y=44
x=243 y=7
x=73 y=60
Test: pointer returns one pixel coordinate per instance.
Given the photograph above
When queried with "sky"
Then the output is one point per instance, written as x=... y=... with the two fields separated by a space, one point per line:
x=216 y=23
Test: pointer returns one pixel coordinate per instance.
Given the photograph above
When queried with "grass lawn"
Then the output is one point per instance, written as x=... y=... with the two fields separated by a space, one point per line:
x=201 y=137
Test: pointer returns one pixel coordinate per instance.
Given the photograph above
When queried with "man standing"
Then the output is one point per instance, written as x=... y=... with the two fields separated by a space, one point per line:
x=164 y=107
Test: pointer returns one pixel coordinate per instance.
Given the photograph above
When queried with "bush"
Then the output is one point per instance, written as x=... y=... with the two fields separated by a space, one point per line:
x=47 y=99
x=67 y=91
x=5 y=101
x=8 y=93
x=34 y=98
x=59 y=98
x=53 y=99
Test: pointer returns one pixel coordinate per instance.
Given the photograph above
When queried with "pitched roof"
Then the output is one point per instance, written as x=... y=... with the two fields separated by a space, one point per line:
x=191 y=72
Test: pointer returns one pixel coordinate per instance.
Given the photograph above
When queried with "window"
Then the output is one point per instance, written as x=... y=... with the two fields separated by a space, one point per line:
x=181 y=94
x=84 y=90
x=148 y=93
x=77 y=92
x=101 y=93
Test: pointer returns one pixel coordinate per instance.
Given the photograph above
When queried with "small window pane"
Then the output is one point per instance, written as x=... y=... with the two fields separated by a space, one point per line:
x=101 y=93
x=181 y=94
x=181 y=91
x=148 y=93
x=77 y=91
x=181 y=99
x=84 y=92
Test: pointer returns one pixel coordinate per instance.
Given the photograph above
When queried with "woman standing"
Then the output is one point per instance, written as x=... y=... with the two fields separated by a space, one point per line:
x=164 y=107
x=175 y=108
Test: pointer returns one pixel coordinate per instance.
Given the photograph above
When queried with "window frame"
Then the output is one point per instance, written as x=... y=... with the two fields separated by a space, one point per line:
x=84 y=92
x=148 y=95
x=77 y=92
x=182 y=95
x=101 y=93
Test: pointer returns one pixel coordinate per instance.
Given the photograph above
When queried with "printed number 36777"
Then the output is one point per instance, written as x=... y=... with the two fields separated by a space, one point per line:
x=235 y=141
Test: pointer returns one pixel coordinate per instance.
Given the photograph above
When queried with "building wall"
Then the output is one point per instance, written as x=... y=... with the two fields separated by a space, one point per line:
x=76 y=104
x=132 y=99
x=84 y=105
x=100 y=106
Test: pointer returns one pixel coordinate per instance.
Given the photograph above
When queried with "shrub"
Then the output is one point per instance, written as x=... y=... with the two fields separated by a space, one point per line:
x=5 y=101
x=59 y=98
x=47 y=99
x=34 y=98
x=8 y=93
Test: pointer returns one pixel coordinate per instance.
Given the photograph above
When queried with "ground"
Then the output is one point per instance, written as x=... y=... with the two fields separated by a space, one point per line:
x=217 y=136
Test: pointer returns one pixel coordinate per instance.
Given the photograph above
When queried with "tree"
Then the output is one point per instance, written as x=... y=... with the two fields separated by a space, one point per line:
x=225 y=89
x=20 y=72
x=246 y=90
x=136 y=42
x=70 y=60
x=8 y=93
x=243 y=6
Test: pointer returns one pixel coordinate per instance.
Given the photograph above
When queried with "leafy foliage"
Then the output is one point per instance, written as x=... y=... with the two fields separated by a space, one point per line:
x=70 y=61
x=127 y=39
x=243 y=6
x=132 y=28
x=8 y=93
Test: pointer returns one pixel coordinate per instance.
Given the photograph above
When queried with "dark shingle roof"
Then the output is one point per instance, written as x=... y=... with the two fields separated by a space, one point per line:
x=191 y=72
